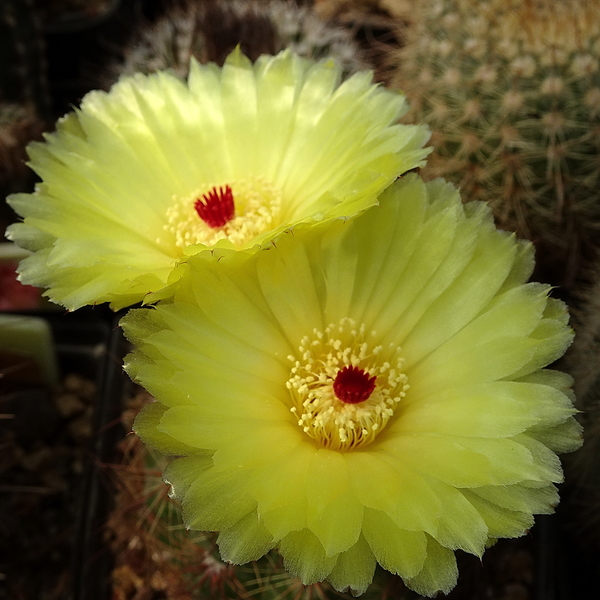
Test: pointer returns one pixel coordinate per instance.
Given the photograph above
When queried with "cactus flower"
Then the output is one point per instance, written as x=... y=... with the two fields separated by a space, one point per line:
x=368 y=391
x=155 y=170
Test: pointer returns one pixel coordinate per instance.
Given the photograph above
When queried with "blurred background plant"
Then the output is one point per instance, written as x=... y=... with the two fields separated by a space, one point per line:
x=511 y=91
x=208 y=31
x=582 y=361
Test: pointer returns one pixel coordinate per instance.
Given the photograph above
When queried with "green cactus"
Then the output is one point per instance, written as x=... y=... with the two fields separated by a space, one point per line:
x=209 y=30
x=511 y=91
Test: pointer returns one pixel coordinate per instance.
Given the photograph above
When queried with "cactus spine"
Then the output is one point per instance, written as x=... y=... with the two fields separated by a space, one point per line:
x=511 y=90
x=209 y=30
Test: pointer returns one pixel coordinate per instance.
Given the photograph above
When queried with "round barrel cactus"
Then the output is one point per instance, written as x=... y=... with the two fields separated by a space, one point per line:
x=511 y=90
x=210 y=30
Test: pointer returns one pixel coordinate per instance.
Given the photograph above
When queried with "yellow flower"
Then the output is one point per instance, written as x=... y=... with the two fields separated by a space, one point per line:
x=157 y=169
x=368 y=391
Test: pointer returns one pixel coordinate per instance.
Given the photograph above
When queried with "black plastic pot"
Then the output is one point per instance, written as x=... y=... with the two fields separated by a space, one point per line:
x=92 y=560
x=35 y=560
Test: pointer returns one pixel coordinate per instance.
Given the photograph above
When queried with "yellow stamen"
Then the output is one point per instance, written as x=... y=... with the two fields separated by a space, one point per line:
x=335 y=424
x=257 y=208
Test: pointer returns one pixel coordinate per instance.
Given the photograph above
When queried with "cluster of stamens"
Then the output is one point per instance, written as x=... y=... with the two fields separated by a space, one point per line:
x=345 y=389
x=238 y=211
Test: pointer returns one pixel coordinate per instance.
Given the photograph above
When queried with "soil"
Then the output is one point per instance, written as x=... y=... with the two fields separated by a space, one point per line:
x=44 y=439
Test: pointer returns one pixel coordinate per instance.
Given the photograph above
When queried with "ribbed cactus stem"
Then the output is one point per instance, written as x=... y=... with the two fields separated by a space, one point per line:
x=511 y=90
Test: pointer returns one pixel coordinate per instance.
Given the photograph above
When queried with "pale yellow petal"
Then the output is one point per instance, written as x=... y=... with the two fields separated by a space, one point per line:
x=216 y=500
x=246 y=540
x=495 y=409
x=526 y=496
x=283 y=506
x=443 y=315
x=501 y=522
x=290 y=274
x=465 y=462
x=439 y=572
x=461 y=527
x=354 y=569
x=199 y=429
x=334 y=513
x=304 y=556
x=182 y=472
x=397 y=550
x=146 y=425
x=387 y=484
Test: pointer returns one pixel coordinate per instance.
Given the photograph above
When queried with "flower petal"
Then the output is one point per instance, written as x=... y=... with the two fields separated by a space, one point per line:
x=461 y=526
x=146 y=425
x=354 y=569
x=397 y=550
x=334 y=513
x=510 y=408
x=463 y=461
x=392 y=487
x=280 y=488
x=525 y=496
x=501 y=522
x=439 y=572
x=245 y=541
x=107 y=222
x=304 y=556
x=182 y=472
x=216 y=500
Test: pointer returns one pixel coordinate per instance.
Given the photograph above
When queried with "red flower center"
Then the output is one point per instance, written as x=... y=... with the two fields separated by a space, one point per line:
x=353 y=385
x=216 y=207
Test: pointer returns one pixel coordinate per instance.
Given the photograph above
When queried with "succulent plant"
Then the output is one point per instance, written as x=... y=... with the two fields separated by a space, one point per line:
x=511 y=90
x=209 y=30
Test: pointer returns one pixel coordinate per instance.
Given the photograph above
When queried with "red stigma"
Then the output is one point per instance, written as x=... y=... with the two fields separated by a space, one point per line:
x=353 y=385
x=218 y=208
